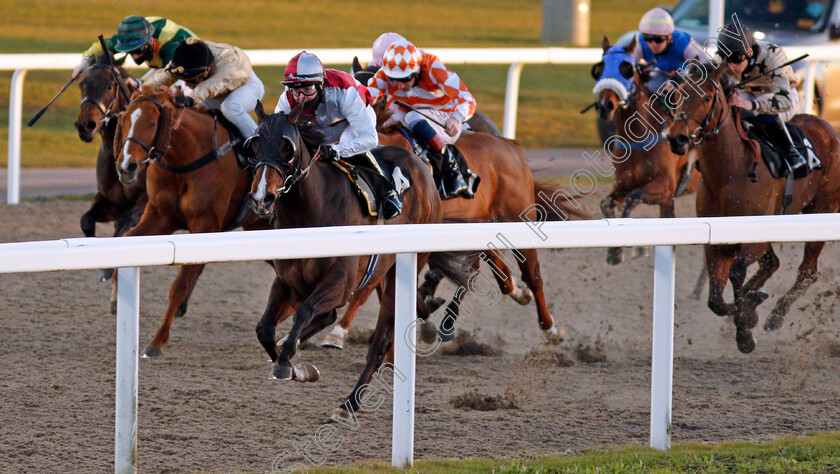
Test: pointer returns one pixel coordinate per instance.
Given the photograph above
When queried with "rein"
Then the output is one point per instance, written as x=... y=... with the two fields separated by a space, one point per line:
x=106 y=111
x=295 y=176
x=697 y=138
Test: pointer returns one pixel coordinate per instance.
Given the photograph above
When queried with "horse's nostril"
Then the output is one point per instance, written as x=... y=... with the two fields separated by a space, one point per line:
x=268 y=200
x=90 y=125
x=131 y=167
x=608 y=106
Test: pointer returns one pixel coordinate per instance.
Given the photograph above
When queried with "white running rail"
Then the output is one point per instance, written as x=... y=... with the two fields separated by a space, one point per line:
x=128 y=253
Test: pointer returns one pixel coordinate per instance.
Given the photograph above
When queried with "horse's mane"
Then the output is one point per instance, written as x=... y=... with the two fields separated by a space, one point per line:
x=102 y=58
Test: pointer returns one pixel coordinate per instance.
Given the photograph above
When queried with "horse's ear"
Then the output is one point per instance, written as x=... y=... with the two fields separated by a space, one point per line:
x=119 y=62
x=626 y=69
x=260 y=111
x=293 y=116
x=357 y=66
x=631 y=45
x=605 y=44
x=597 y=70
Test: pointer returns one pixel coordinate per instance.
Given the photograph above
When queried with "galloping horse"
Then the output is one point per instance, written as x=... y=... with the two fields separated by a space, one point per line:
x=648 y=172
x=728 y=189
x=193 y=181
x=507 y=189
x=101 y=104
x=298 y=190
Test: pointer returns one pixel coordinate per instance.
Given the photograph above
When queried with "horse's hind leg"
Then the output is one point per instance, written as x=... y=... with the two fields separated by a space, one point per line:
x=505 y=279
x=335 y=338
x=380 y=344
x=718 y=262
x=805 y=277
x=319 y=322
x=184 y=282
x=530 y=268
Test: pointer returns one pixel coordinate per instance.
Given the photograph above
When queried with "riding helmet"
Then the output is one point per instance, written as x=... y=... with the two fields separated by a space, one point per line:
x=304 y=68
x=734 y=41
x=192 y=58
x=401 y=60
x=133 y=33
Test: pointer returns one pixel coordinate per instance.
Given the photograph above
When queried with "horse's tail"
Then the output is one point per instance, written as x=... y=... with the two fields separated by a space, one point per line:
x=455 y=266
x=561 y=203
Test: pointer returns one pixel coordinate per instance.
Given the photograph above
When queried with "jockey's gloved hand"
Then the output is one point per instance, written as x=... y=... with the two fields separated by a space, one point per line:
x=82 y=66
x=329 y=153
x=183 y=101
x=134 y=82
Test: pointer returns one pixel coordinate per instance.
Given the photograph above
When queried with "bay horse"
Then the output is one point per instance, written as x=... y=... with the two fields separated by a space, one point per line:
x=193 y=180
x=507 y=190
x=298 y=190
x=728 y=189
x=648 y=172
x=101 y=104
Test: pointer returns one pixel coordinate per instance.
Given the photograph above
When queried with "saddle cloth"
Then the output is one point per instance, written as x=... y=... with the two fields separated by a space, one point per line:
x=772 y=155
x=368 y=182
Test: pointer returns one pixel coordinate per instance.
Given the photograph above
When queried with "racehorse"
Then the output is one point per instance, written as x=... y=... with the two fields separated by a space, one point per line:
x=729 y=188
x=648 y=172
x=101 y=104
x=507 y=189
x=193 y=181
x=299 y=190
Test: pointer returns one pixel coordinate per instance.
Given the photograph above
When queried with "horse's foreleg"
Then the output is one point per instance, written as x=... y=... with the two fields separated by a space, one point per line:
x=805 y=277
x=178 y=292
x=718 y=262
x=319 y=322
x=426 y=292
x=276 y=310
x=531 y=276
x=702 y=278
x=101 y=210
x=505 y=279
x=608 y=207
x=335 y=338
x=380 y=345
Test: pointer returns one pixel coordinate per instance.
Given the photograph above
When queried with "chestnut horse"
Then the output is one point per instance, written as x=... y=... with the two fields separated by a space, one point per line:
x=193 y=181
x=507 y=190
x=648 y=172
x=298 y=191
x=727 y=189
x=101 y=104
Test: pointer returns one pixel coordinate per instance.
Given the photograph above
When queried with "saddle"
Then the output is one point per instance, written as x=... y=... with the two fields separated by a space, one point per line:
x=765 y=146
x=368 y=182
x=435 y=164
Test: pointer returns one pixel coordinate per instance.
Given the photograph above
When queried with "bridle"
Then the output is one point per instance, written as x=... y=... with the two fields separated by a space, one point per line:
x=703 y=124
x=151 y=152
x=115 y=102
x=295 y=172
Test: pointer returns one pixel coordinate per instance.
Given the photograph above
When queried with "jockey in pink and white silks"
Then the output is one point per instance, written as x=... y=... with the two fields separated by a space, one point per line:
x=340 y=108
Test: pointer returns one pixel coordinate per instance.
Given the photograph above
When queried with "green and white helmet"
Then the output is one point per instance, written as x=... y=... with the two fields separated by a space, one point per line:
x=134 y=32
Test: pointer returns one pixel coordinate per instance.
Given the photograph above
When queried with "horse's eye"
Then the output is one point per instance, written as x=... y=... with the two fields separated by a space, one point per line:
x=708 y=98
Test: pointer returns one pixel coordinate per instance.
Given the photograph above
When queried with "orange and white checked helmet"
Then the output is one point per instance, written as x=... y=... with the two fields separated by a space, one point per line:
x=401 y=60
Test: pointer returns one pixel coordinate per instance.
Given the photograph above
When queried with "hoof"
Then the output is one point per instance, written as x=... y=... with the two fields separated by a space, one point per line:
x=341 y=413
x=522 y=296
x=773 y=323
x=754 y=298
x=695 y=295
x=113 y=308
x=445 y=337
x=745 y=340
x=640 y=252
x=615 y=256
x=281 y=372
x=306 y=372
x=427 y=332
x=150 y=352
x=554 y=335
x=333 y=341
x=106 y=274
x=432 y=303
x=181 y=311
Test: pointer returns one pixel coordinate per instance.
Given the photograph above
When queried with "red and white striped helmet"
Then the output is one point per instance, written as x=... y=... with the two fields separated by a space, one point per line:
x=401 y=60
x=304 y=68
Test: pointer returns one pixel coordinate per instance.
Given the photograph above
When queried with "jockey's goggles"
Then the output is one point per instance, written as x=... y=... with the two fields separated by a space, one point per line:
x=655 y=38
x=404 y=80
x=303 y=89
x=737 y=58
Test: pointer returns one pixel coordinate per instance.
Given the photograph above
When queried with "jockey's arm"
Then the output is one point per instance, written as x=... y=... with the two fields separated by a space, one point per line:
x=776 y=98
x=362 y=121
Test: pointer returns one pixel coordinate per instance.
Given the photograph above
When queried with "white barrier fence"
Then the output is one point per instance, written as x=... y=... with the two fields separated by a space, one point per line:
x=128 y=253
x=516 y=57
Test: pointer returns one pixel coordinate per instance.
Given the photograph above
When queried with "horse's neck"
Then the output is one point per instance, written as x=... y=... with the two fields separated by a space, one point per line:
x=194 y=136
x=725 y=157
x=319 y=199
x=638 y=105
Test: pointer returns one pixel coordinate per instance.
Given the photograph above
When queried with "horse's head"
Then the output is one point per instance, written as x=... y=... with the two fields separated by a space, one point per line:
x=100 y=96
x=615 y=78
x=363 y=74
x=702 y=111
x=143 y=131
x=278 y=155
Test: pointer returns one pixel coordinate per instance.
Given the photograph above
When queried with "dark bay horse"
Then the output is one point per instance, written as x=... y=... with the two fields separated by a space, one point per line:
x=727 y=189
x=101 y=104
x=648 y=172
x=507 y=190
x=192 y=177
x=298 y=190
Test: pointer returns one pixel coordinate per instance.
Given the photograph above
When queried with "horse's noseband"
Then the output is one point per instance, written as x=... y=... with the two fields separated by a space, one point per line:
x=703 y=124
x=151 y=152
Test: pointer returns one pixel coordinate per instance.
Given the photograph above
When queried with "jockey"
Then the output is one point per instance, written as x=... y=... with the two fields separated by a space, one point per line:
x=770 y=100
x=341 y=110
x=660 y=45
x=150 y=40
x=423 y=81
x=220 y=78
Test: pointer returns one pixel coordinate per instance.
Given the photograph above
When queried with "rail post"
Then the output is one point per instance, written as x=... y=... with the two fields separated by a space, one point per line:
x=405 y=340
x=128 y=330
x=662 y=354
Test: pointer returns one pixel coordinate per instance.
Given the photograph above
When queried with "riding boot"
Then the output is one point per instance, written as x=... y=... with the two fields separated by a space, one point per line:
x=452 y=182
x=391 y=204
x=782 y=137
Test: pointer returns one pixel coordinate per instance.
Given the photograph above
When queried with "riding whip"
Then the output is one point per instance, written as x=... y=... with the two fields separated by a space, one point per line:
x=747 y=81
x=411 y=107
x=114 y=69
x=593 y=104
x=38 y=115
